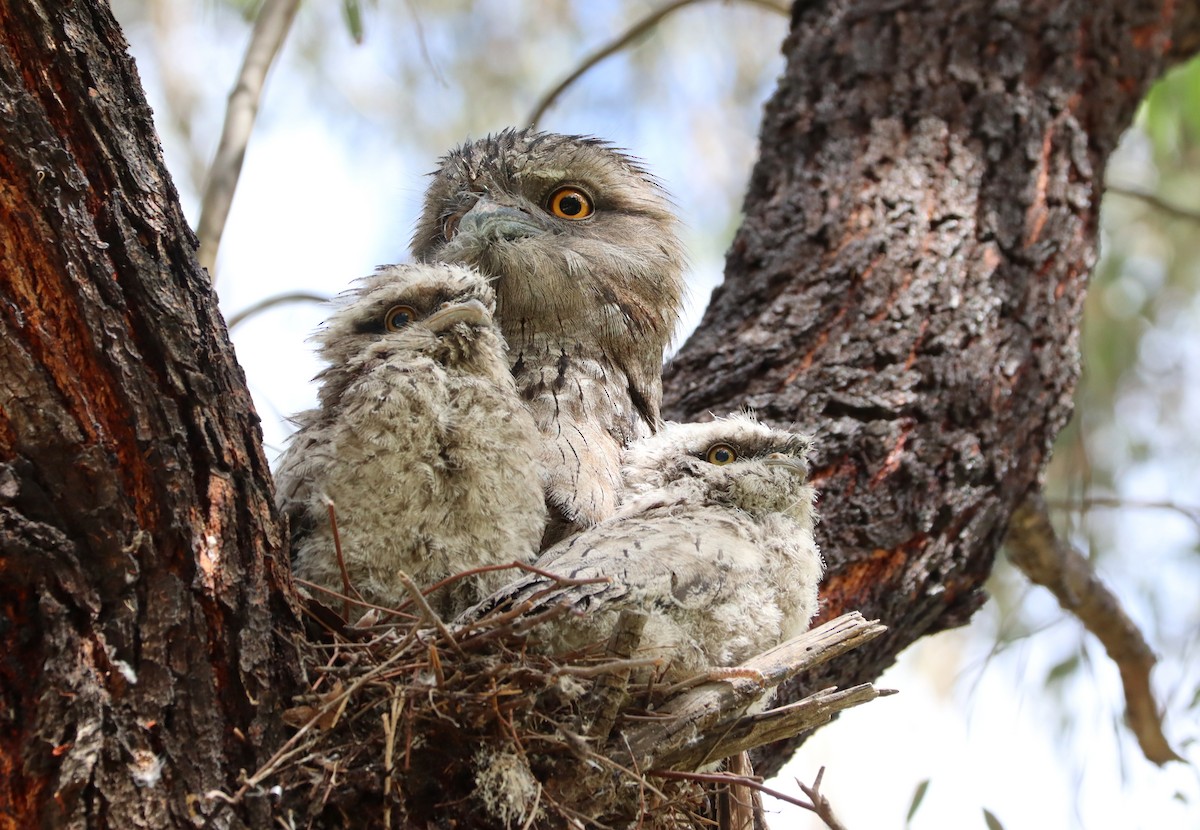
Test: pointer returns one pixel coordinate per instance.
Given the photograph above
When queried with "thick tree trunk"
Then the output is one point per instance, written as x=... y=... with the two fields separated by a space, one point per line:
x=907 y=285
x=139 y=554
x=909 y=277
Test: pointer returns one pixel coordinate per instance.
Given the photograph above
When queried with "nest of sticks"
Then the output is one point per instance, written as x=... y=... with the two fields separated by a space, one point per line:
x=408 y=723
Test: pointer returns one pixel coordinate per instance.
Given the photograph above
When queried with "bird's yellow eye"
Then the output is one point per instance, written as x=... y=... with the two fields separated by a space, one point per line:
x=721 y=454
x=399 y=316
x=570 y=203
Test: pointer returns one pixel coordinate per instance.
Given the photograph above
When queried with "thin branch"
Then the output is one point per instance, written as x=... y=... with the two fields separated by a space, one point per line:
x=671 y=740
x=1191 y=513
x=752 y=731
x=609 y=692
x=1047 y=560
x=270 y=302
x=347 y=586
x=427 y=612
x=270 y=30
x=618 y=43
x=821 y=805
x=822 y=810
x=1154 y=200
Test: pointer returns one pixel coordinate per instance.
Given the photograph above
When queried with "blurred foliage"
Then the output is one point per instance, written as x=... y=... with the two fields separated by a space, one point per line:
x=1123 y=473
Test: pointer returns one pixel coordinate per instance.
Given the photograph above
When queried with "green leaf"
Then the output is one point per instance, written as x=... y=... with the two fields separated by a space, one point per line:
x=1062 y=670
x=352 y=12
x=917 y=798
x=992 y=822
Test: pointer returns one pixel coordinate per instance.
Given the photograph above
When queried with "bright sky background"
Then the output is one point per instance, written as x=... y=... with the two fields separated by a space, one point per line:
x=322 y=200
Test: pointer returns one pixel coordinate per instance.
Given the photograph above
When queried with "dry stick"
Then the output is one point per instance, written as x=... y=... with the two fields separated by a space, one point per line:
x=428 y=612
x=821 y=805
x=270 y=302
x=560 y=581
x=390 y=721
x=696 y=711
x=620 y=42
x=1154 y=200
x=341 y=560
x=609 y=692
x=312 y=586
x=1189 y=512
x=752 y=731
x=291 y=747
x=736 y=801
x=1041 y=555
x=755 y=784
x=270 y=29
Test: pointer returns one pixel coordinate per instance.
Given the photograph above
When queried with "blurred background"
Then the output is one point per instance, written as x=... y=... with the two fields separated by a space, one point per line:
x=1013 y=721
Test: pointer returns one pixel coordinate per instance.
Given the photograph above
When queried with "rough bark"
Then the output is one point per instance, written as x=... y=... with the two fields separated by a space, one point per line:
x=907 y=285
x=139 y=569
x=908 y=280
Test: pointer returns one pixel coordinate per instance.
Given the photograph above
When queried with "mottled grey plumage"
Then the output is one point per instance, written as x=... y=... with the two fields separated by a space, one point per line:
x=582 y=243
x=420 y=440
x=717 y=549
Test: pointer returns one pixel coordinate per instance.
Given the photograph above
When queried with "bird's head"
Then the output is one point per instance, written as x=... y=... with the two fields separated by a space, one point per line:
x=566 y=224
x=401 y=312
x=735 y=461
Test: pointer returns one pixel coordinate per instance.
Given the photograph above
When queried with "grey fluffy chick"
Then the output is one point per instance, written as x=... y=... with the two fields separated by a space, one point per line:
x=420 y=440
x=582 y=242
x=714 y=540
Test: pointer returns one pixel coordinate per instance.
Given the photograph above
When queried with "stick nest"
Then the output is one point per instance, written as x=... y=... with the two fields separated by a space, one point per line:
x=410 y=724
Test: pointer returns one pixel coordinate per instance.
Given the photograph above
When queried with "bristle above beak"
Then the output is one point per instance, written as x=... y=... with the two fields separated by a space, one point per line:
x=472 y=312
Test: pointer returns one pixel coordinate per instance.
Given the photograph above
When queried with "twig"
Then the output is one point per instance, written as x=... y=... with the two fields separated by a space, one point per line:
x=671 y=740
x=390 y=720
x=429 y=614
x=821 y=805
x=618 y=43
x=736 y=803
x=313 y=586
x=1189 y=512
x=608 y=667
x=274 y=19
x=752 y=731
x=291 y=747
x=270 y=302
x=347 y=587
x=1047 y=560
x=609 y=692
x=728 y=779
x=1154 y=200
x=560 y=581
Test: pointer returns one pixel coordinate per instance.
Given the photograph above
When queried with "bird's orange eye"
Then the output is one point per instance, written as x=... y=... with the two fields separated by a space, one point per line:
x=721 y=454
x=399 y=316
x=570 y=203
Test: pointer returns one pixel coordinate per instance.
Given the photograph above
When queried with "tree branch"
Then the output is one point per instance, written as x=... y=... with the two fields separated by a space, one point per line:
x=1047 y=560
x=1155 y=201
x=271 y=302
x=618 y=43
x=715 y=709
x=270 y=29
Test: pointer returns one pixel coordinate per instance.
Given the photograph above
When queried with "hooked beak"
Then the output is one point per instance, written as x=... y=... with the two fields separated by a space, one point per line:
x=793 y=464
x=472 y=312
x=489 y=219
